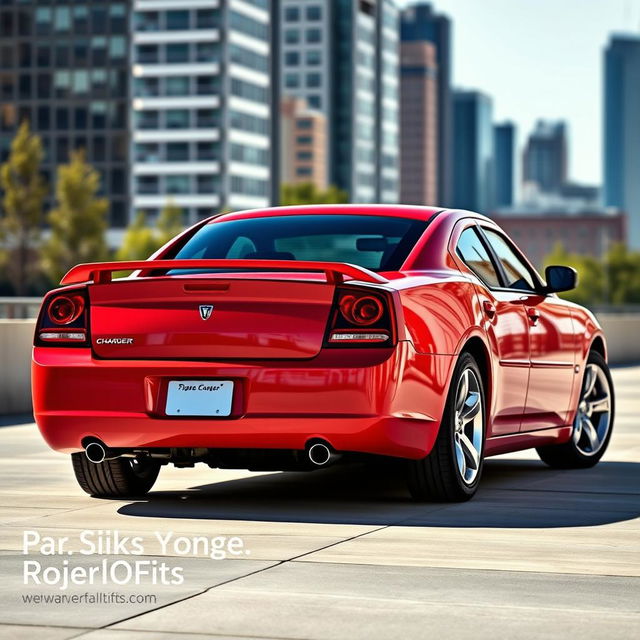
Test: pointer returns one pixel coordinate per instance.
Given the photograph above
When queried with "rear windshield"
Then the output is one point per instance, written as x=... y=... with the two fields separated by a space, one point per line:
x=379 y=243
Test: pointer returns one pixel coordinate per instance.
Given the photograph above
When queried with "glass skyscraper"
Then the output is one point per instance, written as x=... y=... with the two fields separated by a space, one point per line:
x=622 y=130
x=505 y=163
x=341 y=57
x=64 y=67
x=473 y=152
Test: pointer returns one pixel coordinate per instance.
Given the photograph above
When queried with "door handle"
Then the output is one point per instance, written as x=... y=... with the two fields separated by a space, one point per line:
x=489 y=309
x=532 y=314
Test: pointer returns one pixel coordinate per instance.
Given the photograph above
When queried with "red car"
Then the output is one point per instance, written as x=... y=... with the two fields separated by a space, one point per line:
x=288 y=338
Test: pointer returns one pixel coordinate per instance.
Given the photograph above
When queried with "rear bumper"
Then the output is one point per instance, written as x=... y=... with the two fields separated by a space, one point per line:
x=386 y=402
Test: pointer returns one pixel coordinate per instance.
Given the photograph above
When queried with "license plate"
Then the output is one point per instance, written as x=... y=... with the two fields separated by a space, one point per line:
x=199 y=398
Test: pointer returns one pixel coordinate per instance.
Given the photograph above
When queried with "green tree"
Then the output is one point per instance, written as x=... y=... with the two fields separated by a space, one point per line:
x=622 y=275
x=79 y=222
x=141 y=241
x=24 y=191
x=308 y=193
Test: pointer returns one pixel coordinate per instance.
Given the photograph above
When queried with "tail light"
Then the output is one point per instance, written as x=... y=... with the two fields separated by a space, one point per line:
x=63 y=320
x=361 y=317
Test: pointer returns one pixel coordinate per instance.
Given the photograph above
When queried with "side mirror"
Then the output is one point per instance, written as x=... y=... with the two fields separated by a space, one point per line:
x=560 y=278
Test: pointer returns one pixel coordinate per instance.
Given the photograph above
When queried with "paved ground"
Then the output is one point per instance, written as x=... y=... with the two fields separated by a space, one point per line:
x=342 y=553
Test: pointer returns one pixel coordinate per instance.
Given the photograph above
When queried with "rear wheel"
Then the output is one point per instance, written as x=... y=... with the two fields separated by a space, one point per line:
x=122 y=477
x=451 y=472
x=593 y=423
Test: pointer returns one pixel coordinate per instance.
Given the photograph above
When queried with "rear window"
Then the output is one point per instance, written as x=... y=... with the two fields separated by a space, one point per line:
x=379 y=243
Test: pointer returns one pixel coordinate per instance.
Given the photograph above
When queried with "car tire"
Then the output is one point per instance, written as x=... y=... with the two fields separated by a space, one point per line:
x=121 y=477
x=574 y=454
x=439 y=477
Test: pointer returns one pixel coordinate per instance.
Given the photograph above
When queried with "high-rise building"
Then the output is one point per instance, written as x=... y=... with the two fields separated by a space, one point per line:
x=64 y=67
x=622 y=129
x=303 y=144
x=505 y=163
x=202 y=105
x=422 y=24
x=418 y=123
x=473 y=152
x=341 y=57
x=545 y=157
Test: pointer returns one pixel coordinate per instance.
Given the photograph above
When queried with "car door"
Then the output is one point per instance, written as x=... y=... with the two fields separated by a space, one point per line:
x=551 y=338
x=505 y=323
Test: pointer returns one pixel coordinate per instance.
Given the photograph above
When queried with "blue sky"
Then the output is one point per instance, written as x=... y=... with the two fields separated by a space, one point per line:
x=541 y=58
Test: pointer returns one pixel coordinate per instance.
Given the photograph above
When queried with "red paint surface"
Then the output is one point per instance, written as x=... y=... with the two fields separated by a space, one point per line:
x=267 y=334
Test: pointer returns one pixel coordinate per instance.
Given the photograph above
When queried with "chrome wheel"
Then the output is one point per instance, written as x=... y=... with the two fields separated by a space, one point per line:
x=593 y=418
x=468 y=422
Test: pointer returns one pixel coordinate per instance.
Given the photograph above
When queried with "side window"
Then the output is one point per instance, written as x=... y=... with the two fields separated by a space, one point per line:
x=475 y=256
x=518 y=274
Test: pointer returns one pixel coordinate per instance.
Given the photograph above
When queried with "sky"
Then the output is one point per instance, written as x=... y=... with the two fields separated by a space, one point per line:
x=540 y=59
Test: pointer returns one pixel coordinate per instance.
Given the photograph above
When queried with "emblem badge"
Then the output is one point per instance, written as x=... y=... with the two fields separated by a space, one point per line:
x=205 y=311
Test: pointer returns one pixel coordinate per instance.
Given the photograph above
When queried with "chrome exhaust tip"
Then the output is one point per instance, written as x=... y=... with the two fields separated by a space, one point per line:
x=320 y=455
x=95 y=452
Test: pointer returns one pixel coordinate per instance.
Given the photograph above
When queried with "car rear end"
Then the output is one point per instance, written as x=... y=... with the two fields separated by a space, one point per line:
x=209 y=357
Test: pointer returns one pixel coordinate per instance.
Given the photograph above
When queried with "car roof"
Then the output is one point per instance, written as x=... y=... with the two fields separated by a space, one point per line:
x=393 y=210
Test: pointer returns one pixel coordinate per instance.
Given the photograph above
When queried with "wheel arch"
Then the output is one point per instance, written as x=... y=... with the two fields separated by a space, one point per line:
x=599 y=346
x=478 y=349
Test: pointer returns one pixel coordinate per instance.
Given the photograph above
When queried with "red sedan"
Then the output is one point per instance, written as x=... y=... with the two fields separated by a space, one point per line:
x=290 y=338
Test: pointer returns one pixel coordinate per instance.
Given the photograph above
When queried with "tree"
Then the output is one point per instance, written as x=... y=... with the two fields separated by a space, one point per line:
x=141 y=241
x=308 y=193
x=22 y=203
x=79 y=222
x=614 y=279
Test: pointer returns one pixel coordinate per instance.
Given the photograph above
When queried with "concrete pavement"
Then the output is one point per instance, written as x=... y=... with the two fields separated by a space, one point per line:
x=342 y=552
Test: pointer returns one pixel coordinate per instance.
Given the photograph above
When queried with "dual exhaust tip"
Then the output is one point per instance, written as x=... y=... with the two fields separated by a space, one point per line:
x=319 y=454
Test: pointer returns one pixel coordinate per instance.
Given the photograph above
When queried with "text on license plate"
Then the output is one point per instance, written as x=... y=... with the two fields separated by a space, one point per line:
x=199 y=398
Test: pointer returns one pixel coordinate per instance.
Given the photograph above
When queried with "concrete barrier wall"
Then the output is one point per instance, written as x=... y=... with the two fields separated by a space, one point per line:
x=16 y=338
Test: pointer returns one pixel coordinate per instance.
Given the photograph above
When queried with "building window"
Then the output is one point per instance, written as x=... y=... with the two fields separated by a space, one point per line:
x=148 y=119
x=80 y=82
x=206 y=85
x=304 y=140
x=248 y=26
x=177 y=86
x=314 y=36
x=314 y=58
x=314 y=101
x=292 y=58
x=305 y=123
x=43 y=20
x=62 y=19
x=206 y=19
x=313 y=80
x=177 y=151
x=205 y=118
x=147 y=53
x=147 y=185
x=292 y=14
x=147 y=21
x=178 y=52
x=314 y=12
x=177 y=184
x=304 y=155
x=292 y=36
x=146 y=87
x=177 y=119
x=206 y=151
x=177 y=20
x=98 y=113
x=206 y=52
x=205 y=184
x=303 y=171
x=291 y=80
x=147 y=152
x=117 y=47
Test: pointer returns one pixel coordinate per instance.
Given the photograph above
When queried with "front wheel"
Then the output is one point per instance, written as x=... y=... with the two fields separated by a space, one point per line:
x=118 y=478
x=451 y=472
x=593 y=423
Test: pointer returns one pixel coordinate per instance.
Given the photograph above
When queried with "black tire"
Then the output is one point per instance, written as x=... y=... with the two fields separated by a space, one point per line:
x=119 y=478
x=437 y=477
x=568 y=454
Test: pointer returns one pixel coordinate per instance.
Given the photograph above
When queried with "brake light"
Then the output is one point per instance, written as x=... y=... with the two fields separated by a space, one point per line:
x=65 y=309
x=361 y=318
x=64 y=320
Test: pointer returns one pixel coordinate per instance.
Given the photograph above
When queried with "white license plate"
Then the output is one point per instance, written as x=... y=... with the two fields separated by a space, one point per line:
x=199 y=398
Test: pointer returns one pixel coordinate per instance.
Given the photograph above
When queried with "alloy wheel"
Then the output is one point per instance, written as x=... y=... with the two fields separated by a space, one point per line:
x=591 y=425
x=468 y=422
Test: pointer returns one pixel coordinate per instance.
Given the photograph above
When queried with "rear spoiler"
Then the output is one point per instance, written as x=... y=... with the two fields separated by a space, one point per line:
x=100 y=272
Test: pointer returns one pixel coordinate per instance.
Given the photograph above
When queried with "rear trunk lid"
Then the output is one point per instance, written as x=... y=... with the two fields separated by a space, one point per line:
x=208 y=318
